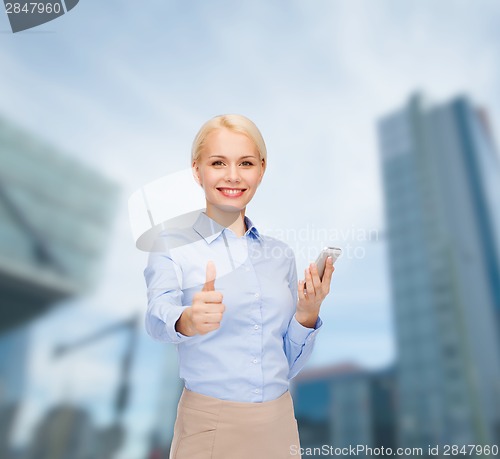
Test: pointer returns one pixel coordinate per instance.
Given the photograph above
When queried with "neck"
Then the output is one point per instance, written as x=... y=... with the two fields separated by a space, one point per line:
x=235 y=221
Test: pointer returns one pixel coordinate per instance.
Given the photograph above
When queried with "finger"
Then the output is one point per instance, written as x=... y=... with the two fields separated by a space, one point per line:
x=212 y=296
x=205 y=318
x=315 y=276
x=213 y=308
x=210 y=277
x=309 y=283
x=328 y=273
x=301 y=290
x=207 y=328
x=212 y=318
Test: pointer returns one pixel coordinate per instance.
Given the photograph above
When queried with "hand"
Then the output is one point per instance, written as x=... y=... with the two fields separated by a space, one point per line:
x=207 y=308
x=309 y=302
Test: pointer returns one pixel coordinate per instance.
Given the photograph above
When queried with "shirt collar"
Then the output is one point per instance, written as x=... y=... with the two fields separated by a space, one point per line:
x=210 y=230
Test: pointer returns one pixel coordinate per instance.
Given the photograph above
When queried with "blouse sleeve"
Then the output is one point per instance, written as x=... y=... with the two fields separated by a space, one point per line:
x=298 y=340
x=165 y=298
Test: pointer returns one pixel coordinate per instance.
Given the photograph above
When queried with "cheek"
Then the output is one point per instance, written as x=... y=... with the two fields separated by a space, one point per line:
x=253 y=179
x=208 y=177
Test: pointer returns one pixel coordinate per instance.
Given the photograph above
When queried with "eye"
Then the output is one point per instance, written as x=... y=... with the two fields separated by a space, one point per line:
x=247 y=163
x=216 y=163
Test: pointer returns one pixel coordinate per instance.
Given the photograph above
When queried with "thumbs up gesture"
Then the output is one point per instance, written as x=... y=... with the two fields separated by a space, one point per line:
x=207 y=307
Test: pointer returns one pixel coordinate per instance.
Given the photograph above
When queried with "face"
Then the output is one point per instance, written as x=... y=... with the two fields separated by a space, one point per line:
x=229 y=169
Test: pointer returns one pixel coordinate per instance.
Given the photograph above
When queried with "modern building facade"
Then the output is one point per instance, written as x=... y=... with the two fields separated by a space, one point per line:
x=13 y=381
x=166 y=408
x=65 y=432
x=55 y=218
x=344 y=406
x=441 y=176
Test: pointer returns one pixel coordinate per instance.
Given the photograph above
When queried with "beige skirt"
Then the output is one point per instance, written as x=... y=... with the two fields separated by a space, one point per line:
x=211 y=428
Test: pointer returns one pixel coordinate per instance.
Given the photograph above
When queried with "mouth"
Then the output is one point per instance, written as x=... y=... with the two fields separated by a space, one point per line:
x=232 y=192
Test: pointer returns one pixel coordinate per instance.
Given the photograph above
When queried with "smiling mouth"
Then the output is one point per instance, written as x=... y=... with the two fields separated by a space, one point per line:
x=232 y=192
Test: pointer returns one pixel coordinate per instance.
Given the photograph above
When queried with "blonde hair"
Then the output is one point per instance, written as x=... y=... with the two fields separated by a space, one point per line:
x=235 y=123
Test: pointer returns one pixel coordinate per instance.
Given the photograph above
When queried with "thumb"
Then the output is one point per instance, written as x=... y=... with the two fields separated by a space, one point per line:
x=210 y=278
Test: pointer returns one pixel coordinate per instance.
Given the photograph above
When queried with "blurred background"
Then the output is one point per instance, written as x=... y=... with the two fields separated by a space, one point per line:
x=380 y=119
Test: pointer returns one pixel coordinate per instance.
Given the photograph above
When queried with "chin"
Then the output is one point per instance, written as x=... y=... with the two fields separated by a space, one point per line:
x=229 y=208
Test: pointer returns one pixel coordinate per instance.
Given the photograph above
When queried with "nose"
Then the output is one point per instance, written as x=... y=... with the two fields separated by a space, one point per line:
x=233 y=174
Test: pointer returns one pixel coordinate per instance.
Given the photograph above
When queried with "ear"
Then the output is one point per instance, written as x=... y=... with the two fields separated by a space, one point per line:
x=263 y=170
x=196 y=173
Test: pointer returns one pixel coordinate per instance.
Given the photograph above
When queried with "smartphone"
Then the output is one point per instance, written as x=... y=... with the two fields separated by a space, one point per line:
x=333 y=252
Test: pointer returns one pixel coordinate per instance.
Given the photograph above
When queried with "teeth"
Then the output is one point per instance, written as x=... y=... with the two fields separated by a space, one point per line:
x=226 y=191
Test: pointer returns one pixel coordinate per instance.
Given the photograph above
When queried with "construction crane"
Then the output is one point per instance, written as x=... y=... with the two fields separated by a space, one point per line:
x=111 y=438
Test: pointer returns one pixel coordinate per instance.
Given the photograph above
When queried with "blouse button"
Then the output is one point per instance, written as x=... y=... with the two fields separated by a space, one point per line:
x=254 y=360
x=257 y=295
x=256 y=327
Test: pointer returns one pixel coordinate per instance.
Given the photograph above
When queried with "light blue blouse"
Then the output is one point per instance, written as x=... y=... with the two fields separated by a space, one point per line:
x=260 y=345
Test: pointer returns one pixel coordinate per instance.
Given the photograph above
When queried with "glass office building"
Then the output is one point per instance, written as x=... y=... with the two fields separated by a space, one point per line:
x=441 y=176
x=344 y=406
x=55 y=215
x=13 y=381
x=166 y=408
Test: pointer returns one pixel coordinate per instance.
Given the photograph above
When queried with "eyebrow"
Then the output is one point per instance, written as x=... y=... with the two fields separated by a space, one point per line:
x=223 y=157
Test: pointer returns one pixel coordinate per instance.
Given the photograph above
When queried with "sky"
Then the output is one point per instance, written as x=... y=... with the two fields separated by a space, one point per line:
x=124 y=87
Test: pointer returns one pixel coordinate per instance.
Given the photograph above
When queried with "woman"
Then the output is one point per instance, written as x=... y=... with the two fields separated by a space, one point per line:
x=228 y=297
